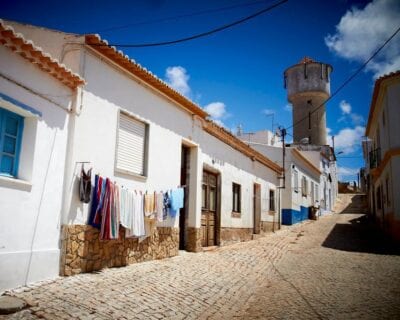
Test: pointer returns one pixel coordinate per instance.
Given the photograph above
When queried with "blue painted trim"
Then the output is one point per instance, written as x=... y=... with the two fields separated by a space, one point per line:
x=20 y=104
x=18 y=137
x=292 y=216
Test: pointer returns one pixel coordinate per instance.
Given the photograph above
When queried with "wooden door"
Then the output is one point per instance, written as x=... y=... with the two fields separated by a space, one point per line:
x=257 y=208
x=209 y=208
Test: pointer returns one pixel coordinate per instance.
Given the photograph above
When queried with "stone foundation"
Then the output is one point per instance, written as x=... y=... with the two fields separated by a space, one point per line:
x=233 y=235
x=268 y=227
x=193 y=243
x=83 y=251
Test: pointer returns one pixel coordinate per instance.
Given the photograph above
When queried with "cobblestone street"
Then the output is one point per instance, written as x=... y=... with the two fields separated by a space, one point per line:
x=335 y=268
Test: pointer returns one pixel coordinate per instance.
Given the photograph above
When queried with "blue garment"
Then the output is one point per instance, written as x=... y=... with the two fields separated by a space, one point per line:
x=176 y=200
x=95 y=202
x=166 y=206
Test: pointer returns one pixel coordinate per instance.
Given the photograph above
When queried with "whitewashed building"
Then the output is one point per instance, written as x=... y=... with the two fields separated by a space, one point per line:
x=37 y=96
x=227 y=183
x=382 y=154
x=306 y=184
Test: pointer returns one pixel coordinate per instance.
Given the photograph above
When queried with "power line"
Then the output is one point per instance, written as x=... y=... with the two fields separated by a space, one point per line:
x=349 y=79
x=172 y=18
x=200 y=35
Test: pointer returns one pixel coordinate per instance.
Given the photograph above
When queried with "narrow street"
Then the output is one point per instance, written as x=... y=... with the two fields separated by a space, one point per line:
x=338 y=267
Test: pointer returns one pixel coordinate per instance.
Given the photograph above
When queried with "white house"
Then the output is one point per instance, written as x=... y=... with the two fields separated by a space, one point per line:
x=302 y=180
x=37 y=97
x=125 y=112
x=382 y=154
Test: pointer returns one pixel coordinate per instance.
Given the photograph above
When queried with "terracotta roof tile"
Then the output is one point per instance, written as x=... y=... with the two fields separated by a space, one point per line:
x=26 y=49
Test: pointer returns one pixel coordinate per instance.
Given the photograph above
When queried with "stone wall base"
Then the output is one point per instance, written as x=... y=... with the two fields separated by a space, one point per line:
x=233 y=235
x=268 y=227
x=193 y=243
x=83 y=251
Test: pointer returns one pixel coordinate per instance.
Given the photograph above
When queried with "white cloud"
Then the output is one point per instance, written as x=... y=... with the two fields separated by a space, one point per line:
x=348 y=140
x=288 y=107
x=268 y=112
x=178 y=78
x=355 y=118
x=217 y=110
x=345 y=106
x=361 y=32
x=346 y=173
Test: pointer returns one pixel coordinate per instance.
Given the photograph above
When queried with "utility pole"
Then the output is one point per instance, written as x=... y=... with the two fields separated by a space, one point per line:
x=333 y=144
x=281 y=132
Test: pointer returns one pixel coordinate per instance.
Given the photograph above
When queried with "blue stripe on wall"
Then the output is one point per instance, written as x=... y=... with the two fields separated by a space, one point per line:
x=20 y=104
x=291 y=216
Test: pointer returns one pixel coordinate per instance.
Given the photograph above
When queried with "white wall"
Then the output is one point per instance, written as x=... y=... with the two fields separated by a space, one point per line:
x=30 y=206
x=169 y=126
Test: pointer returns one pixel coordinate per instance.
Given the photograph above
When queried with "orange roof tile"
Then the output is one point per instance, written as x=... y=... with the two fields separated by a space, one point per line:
x=26 y=49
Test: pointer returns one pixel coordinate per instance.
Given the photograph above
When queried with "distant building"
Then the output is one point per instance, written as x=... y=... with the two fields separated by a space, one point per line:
x=310 y=176
x=382 y=153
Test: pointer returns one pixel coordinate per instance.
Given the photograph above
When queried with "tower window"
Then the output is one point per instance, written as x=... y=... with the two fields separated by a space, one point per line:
x=305 y=70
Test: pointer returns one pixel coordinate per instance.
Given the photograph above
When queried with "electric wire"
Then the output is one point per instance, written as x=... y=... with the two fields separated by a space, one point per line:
x=349 y=79
x=173 y=18
x=199 y=35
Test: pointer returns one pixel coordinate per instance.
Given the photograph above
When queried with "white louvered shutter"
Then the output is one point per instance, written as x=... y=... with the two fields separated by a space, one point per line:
x=131 y=145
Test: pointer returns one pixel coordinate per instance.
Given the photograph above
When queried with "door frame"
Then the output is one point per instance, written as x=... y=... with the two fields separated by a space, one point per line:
x=217 y=222
x=256 y=208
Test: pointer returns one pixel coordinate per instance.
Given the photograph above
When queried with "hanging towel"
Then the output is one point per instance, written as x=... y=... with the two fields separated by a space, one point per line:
x=137 y=227
x=149 y=205
x=101 y=189
x=166 y=206
x=95 y=202
x=85 y=185
x=159 y=206
x=176 y=201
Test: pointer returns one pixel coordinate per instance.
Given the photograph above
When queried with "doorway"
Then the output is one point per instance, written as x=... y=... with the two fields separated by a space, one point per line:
x=209 y=208
x=185 y=167
x=257 y=208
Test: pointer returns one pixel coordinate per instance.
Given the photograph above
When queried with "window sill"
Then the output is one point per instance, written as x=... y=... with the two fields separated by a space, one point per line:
x=130 y=174
x=236 y=214
x=14 y=183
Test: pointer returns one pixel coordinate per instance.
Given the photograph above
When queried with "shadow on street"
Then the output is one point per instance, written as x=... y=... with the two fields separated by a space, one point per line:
x=361 y=235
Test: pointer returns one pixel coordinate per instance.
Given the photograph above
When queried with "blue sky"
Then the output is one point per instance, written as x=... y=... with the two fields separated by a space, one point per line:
x=237 y=74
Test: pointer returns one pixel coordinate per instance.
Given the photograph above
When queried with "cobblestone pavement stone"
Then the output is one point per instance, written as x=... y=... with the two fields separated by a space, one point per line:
x=333 y=268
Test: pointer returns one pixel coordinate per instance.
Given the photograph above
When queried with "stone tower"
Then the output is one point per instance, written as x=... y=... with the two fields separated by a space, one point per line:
x=308 y=86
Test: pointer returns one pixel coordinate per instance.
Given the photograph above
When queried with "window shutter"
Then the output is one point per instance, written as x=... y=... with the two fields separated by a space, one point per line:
x=131 y=145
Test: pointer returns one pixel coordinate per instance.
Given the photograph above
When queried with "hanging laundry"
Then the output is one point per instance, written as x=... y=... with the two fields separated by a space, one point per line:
x=101 y=189
x=126 y=208
x=149 y=205
x=166 y=206
x=95 y=201
x=85 y=185
x=136 y=228
x=159 y=206
x=177 y=196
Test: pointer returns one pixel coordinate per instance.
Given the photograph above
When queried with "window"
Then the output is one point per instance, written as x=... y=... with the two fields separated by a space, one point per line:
x=11 y=127
x=271 y=200
x=236 y=197
x=296 y=181
x=304 y=186
x=131 y=145
x=317 y=192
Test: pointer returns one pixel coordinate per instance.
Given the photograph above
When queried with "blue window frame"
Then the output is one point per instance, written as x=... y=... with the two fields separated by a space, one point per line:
x=11 y=127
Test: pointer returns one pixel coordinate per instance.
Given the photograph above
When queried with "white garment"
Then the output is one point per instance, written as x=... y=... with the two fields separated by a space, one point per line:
x=159 y=206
